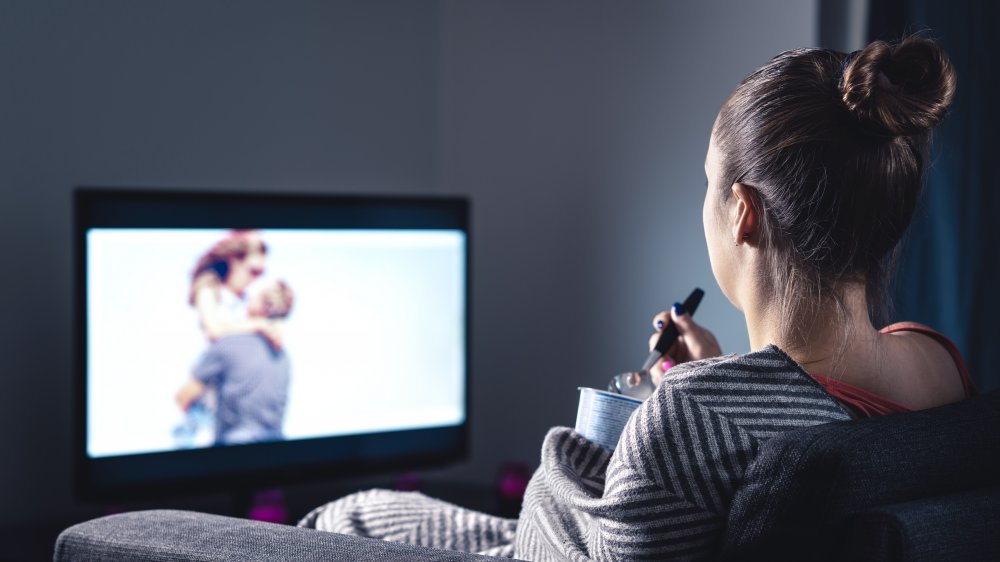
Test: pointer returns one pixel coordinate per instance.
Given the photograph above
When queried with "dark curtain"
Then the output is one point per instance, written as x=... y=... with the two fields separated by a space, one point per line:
x=949 y=274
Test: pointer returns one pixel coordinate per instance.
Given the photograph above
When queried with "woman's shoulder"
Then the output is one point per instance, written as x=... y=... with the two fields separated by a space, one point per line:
x=930 y=357
x=762 y=384
x=718 y=410
x=205 y=288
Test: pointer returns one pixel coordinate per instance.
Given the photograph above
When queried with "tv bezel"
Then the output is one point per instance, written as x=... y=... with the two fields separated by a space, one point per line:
x=151 y=482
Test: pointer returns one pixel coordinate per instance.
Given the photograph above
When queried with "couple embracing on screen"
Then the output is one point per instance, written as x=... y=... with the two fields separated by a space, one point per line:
x=244 y=373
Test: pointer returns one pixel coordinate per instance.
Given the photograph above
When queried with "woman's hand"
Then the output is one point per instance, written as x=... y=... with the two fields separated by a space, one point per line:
x=693 y=342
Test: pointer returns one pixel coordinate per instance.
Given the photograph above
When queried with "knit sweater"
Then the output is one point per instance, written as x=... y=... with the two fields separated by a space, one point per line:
x=664 y=493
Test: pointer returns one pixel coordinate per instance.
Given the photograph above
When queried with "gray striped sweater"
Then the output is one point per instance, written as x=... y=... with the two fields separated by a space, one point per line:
x=663 y=494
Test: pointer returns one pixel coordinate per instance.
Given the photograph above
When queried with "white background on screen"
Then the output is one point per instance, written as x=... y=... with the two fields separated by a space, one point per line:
x=375 y=339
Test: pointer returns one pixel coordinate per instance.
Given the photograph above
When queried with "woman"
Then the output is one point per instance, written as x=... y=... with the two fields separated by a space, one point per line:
x=219 y=283
x=814 y=168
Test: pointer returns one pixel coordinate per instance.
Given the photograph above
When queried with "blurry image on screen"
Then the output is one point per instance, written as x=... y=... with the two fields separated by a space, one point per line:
x=201 y=338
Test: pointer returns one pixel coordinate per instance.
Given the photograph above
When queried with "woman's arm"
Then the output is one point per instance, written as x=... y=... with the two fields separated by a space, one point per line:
x=668 y=489
x=216 y=324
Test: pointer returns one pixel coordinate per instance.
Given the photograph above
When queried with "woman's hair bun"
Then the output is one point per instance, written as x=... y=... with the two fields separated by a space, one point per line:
x=904 y=89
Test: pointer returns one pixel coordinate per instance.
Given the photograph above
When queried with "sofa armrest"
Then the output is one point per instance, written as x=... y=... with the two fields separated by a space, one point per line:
x=962 y=526
x=185 y=535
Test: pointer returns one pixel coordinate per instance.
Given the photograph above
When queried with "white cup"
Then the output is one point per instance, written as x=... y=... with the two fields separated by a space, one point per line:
x=601 y=416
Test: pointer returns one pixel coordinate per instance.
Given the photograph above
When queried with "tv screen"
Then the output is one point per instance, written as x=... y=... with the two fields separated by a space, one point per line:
x=249 y=339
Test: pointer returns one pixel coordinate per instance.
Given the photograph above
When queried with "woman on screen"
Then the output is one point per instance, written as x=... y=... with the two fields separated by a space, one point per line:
x=219 y=283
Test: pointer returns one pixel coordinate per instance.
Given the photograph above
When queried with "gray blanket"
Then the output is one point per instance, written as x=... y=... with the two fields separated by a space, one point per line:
x=663 y=494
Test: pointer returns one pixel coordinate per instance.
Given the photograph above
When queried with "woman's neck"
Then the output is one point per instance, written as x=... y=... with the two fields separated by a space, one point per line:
x=817 y=339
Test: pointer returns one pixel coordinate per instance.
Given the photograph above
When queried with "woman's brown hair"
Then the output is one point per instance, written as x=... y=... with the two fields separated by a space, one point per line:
x=212 y=267
x=834 y=147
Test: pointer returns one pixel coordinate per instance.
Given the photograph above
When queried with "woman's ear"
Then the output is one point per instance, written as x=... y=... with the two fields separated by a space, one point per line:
x=745 y=222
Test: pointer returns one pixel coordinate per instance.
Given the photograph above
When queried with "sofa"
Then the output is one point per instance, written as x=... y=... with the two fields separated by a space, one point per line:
x=916 y=486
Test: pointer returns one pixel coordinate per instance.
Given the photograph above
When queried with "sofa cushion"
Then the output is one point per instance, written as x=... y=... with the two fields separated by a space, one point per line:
x=183 y=535
x=800 y=490
x=962 y=526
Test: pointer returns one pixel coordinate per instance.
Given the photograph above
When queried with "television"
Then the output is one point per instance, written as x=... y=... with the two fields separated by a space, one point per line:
x=236 y=341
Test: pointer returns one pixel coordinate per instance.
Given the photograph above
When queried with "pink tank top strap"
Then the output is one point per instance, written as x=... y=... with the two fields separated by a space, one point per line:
x=864 y=404
x=956 y=356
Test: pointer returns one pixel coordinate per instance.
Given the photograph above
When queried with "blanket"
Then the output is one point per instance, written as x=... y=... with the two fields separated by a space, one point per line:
x=664 y=492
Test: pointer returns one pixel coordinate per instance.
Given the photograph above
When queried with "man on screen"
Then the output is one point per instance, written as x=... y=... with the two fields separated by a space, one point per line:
x=249 y=374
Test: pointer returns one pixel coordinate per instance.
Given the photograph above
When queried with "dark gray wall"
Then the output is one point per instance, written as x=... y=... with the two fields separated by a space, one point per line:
x=324 y=96
x=578 y=129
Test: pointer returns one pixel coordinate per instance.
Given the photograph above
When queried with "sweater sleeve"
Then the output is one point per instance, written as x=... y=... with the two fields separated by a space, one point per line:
x=668 y=482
